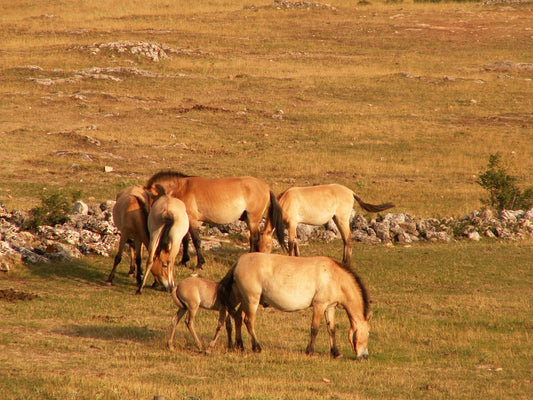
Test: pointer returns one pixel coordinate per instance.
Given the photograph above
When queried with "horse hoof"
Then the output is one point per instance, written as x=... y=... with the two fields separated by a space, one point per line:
x=109 y=283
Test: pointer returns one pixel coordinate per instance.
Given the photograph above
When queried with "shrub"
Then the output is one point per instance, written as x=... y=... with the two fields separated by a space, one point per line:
x=503 y=190
x=54 y=208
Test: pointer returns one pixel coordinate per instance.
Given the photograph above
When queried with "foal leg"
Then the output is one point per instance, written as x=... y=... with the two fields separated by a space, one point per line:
x=221 y=320
x=330 y=321
x=318 y=310
x=181 y=312
x=190 y=324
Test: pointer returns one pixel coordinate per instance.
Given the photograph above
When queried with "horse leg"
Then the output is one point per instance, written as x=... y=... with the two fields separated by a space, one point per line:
x=185 y=257
x=254 y=236
x=117 y=260
x=293 y=245
x=237 y=317
x=138 y=261
x=195 y=234
x=228 y=331
x=249 y=321
x=190 y=324
x=330 y=323
x=132 y=259
x=318 y=310
x=181 y=312
x=344 y=228
x=221 y=320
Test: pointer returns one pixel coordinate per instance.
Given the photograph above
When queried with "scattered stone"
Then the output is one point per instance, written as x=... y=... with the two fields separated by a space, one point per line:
x=90 y=230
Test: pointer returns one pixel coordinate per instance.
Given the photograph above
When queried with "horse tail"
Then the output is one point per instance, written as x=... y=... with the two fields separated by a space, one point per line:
x=224 y=288
x=176 y=299
x=276 y=219
x=372 y=207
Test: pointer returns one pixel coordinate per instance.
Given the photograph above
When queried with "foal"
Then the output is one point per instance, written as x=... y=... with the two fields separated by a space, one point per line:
x=191 y=294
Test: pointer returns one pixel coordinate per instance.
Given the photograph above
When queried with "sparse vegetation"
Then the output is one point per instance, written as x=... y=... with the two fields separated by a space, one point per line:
x=53 y=210
x=504 y=192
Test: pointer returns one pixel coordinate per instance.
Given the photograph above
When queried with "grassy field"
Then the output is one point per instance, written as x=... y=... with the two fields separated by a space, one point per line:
x=399 y=101
x=449 y=321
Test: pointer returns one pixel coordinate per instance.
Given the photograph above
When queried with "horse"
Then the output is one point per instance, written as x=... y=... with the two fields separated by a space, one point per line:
x=191 y=294
x=316 y=205
x=221 y=201
x=130 y=215
x=296 y=283
x=168 y=225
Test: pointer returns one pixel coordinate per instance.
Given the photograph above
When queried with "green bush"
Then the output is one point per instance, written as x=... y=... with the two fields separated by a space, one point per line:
x=54 y=208
x=503 y=190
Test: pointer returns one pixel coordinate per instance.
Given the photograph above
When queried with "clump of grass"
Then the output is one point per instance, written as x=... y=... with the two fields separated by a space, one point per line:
x=502 y=187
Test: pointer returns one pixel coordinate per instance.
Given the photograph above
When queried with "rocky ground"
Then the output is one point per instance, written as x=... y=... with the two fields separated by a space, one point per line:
x=91 y=231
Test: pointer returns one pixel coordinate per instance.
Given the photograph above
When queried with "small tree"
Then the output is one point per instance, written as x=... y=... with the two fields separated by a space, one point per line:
x=53 y=210
x=502 y=188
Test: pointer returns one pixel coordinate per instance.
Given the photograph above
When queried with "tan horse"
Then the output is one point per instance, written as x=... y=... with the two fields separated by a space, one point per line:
x=296 y=283
x=130 y=215
x=190 y=295
x=316 y=205
x=168 y=224
x=221 y=201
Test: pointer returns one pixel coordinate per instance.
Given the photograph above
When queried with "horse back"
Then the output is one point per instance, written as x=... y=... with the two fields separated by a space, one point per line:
x=315 y=205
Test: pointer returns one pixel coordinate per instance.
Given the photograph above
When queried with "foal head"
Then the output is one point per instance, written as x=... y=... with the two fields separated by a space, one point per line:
x=266 y=243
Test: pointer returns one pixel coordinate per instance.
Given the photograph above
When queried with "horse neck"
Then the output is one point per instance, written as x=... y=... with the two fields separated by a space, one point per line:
x=176 y=186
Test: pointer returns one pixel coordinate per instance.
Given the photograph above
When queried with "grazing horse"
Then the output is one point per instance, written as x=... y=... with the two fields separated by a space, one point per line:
x=221 y=201
x=130 y=215
x=316 y=205
x=168 y=224
x=295 y=283
x=191 y=294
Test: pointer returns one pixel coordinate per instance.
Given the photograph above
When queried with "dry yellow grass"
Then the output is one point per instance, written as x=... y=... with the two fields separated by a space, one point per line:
x=391 y=99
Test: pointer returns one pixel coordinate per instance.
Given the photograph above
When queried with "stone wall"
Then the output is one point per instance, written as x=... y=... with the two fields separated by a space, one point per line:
x=91 y=231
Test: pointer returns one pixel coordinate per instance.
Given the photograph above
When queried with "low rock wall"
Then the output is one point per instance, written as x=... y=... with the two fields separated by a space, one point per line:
x=91 y=231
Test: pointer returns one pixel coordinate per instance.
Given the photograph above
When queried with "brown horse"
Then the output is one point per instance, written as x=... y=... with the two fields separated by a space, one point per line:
x=221 y=201
x=295 y=283
x=168 y=224
x=130 y=215
x=316 y=205
x=192 y=294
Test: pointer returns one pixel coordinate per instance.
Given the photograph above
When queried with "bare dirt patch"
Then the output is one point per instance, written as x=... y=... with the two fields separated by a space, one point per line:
x=13 y=295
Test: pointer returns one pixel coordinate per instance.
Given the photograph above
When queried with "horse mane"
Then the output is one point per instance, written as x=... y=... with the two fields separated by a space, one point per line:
x=362 y=288
x=164 y=175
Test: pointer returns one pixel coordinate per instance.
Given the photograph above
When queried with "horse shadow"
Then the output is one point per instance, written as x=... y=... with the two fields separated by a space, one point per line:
x=140 y=334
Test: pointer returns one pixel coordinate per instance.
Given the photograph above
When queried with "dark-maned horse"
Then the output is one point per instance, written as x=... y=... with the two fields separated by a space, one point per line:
x=316 y=205
x=296 y=283
x=130 y=215
x=168 y=225
x=221 y=201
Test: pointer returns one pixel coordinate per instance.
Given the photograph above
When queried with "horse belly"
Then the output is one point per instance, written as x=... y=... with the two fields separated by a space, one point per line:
x=223 y=214
x=288 y=300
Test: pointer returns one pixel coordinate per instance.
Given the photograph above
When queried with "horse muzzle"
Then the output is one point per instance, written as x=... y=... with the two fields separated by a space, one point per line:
x=363 y=355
